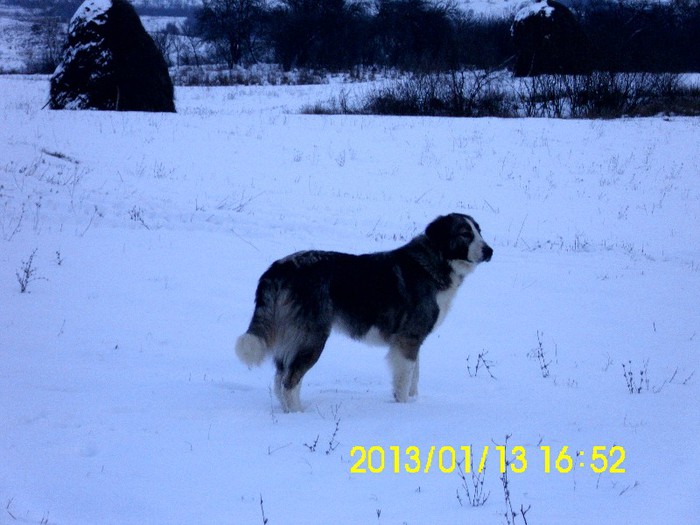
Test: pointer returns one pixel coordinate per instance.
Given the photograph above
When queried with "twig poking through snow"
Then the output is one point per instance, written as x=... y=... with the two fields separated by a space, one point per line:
x=27 y=273
x=262 y=509
x=480 y=360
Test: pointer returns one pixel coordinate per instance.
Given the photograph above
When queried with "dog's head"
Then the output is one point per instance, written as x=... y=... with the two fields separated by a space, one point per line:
x=458 y=238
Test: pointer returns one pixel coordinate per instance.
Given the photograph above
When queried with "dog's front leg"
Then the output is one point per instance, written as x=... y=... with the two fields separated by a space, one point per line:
x=413 y=391
x=404 y=362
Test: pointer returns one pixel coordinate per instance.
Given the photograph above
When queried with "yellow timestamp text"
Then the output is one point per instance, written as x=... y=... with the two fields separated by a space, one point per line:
x=517 y=459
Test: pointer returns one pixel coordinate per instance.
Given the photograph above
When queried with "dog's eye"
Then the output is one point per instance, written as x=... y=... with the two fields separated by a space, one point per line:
x=467 y=234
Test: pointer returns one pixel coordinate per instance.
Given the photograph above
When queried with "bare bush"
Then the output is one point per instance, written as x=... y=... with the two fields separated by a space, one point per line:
x=473 y=488
x=511 y=515
x=636 y=382
x=481 y=362
x=463 y=93
x=27 y=273
x=476 y=93
x=606 y=94
x=540 y=355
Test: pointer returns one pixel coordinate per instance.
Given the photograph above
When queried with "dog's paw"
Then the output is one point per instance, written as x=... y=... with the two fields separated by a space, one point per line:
x=401 y=397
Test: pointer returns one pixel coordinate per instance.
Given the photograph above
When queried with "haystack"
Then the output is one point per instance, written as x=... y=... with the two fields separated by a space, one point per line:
x=110 y=63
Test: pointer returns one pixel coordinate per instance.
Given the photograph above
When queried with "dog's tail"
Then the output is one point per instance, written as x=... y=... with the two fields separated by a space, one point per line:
x=256 y=344
x=251 y=349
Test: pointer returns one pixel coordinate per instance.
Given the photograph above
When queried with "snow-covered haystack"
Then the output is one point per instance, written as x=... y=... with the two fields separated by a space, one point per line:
x=110 y=63
x=548 y=39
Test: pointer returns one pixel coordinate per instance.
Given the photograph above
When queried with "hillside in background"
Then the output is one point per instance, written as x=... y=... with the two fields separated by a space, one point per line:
x=403 y=35
x=479 y=7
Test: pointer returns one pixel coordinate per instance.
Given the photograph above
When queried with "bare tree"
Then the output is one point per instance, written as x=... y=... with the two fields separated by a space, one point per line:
x=320 y=33
x=45 y=47
x=192 y=43
x=231 y=26
x=164 y=43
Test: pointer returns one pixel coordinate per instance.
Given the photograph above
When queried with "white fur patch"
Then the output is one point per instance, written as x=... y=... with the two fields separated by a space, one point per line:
x=289 y=399
x=413 y=391
x=460 y=269
x=403 y=375
x=476 y=248
x=251 y=349
x=374 y=337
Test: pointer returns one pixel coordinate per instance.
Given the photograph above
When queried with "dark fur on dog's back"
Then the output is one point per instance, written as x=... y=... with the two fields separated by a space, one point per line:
x=395 y=295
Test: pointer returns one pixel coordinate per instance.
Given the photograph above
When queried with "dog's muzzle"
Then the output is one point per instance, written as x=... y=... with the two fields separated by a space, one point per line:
x=486 y=253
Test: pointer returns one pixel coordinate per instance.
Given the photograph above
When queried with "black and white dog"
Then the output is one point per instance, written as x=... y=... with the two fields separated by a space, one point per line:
x=395 y=298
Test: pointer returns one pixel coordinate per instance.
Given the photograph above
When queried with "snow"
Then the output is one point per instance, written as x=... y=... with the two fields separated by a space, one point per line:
x=90 y=11
x=122 y=400
x=14 y=32
x=536 y=8
x=155 y=24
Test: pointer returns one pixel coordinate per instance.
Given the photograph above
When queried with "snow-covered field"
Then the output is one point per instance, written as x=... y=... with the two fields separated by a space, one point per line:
x=121 y=400
x=15 y=37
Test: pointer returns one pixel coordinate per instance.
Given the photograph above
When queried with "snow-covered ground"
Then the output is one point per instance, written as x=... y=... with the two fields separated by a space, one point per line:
x=15 y=35
x=121 y=400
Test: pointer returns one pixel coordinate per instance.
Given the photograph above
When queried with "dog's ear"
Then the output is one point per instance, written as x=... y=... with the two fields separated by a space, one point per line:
x=439 y=232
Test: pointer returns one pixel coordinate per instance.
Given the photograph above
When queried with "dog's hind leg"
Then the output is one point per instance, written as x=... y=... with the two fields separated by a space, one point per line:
x=288 y=376
x=403 y=358
x=279 y=377
x=289 y=397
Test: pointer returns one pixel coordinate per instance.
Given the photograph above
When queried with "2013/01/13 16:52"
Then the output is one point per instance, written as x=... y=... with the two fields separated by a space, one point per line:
x=446 y=459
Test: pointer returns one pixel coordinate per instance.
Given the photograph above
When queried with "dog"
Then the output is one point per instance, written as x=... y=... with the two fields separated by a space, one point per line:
x=395 y=298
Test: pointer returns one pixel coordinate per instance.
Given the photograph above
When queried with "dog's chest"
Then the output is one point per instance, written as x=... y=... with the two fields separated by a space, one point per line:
x=444 y=298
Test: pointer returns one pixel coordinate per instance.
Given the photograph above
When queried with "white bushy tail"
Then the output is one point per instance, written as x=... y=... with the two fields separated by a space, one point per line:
x=253 y=346
x=251 y=349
